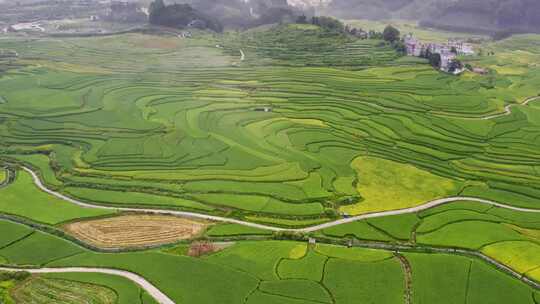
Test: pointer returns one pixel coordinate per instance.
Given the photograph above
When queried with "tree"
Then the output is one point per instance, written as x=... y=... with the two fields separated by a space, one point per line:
x=435 y=59
x=455 y=65
x=329 y=23
x=391 y=34
x=181 y=16
x=156 y=6
x=400 y=47
x=301 y=19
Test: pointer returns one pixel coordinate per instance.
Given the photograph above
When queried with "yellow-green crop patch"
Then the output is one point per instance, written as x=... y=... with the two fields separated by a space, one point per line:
x=389 y=185
x=522 y=256
x=3 y=175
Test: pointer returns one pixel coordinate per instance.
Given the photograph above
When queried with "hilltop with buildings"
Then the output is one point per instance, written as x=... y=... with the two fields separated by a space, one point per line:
x=443 y=55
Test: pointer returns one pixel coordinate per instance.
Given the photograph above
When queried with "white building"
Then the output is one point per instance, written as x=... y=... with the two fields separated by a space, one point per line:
x=446 y=59
x=461 y=47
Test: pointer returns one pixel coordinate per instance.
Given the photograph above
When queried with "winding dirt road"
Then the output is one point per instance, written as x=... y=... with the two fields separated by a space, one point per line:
x=159 y=296
x=242 y=55
x=415 y=209
x=508 y=108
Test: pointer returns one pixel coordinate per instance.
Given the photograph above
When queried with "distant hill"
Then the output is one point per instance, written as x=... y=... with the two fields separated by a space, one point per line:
x=486 y=15
x=468 y=15
x=244 y=13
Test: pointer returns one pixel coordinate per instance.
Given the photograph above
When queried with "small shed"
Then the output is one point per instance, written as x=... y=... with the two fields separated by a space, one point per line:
x=264 y=109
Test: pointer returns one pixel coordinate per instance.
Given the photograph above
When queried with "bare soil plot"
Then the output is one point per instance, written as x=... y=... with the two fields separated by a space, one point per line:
x=135 y=230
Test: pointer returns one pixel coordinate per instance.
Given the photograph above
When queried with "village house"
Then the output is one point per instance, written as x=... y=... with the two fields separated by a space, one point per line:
x=413 y=46
x=447 y=51
x=446 y=59
x=461 y=47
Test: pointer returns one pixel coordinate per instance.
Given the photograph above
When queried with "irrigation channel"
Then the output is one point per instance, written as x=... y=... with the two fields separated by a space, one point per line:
x=415 y=209
x=159 y=296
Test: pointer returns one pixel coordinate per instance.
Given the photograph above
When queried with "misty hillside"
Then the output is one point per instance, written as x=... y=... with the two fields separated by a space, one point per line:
x=513 y=15
x=476 y=15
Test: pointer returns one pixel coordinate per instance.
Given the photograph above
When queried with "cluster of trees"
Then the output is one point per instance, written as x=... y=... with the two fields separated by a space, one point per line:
x=216 y=14
x=433 y=58
x=17 y=276
x=334 y=25
x=329 y=23
x=180 y=16
x=393 y=36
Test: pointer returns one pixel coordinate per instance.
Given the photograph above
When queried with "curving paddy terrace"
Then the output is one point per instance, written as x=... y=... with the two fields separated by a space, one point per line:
x=285 y=138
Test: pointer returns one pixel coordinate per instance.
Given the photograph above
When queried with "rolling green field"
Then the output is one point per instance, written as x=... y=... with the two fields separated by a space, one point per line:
x=23 y=199
x=304 y=128
x=278 y=272
x=196 y=140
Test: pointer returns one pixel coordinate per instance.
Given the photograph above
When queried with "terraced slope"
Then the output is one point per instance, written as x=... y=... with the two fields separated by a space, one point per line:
x=192 y=137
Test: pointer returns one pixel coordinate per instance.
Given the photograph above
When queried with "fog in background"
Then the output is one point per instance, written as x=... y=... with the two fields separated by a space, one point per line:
x=463 y=15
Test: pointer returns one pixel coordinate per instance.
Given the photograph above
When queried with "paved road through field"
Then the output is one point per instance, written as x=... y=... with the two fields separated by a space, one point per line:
x=415 y=209
x=159 y=296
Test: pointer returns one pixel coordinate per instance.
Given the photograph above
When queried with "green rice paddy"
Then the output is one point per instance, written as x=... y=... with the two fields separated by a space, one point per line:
x=306 y=128
x=3 y=175
x=196 y=140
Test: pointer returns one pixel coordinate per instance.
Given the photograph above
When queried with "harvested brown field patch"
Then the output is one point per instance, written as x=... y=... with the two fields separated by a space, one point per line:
x=135 y=230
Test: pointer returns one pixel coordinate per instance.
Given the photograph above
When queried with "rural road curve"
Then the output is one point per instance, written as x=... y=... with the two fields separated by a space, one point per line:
x=508 y=108
x=242 y=55
x=159 y=296
x=422 y=207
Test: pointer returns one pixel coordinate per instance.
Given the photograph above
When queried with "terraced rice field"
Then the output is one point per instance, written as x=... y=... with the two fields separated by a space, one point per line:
x=306 y=129
x=129 y=231
x=307 y=45
x=195 y=140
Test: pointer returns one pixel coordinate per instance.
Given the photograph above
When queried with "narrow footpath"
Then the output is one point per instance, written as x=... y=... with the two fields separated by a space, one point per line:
x=508 y=108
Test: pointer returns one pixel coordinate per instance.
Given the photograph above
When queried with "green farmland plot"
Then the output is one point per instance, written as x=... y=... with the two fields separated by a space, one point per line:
x=256 y=270
x=309 y=127
x=22 y=198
